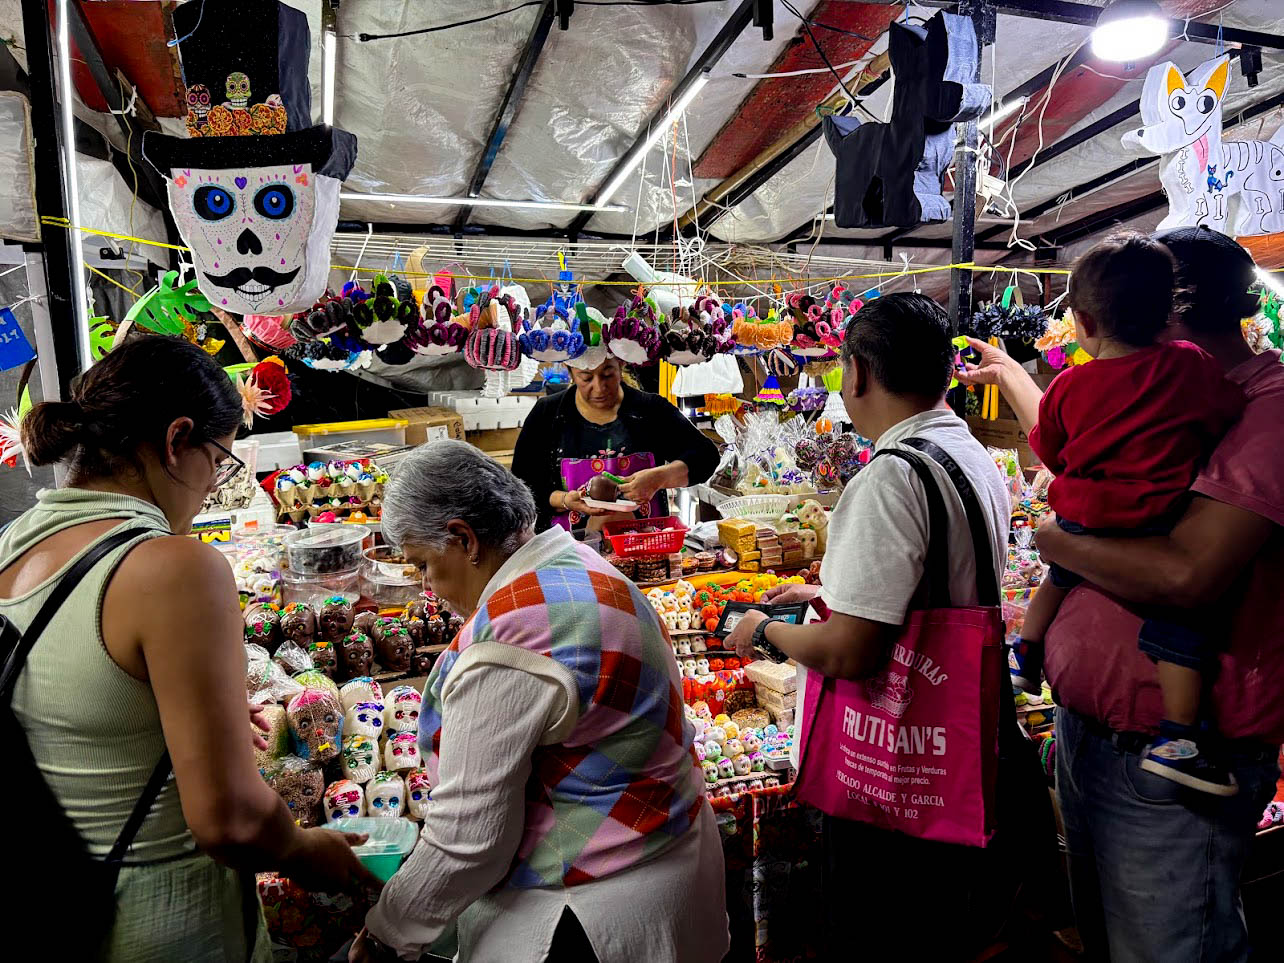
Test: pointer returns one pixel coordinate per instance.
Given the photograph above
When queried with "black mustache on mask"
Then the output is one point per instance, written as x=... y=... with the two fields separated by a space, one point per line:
x=243 y=275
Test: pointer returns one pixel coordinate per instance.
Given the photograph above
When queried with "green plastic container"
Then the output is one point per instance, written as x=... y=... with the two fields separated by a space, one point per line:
x=390 y=842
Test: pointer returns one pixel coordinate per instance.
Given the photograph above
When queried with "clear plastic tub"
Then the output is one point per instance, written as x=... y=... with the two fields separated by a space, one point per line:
x=313 y=588
x=325 y=550
x=387 y=581
x=390 y=842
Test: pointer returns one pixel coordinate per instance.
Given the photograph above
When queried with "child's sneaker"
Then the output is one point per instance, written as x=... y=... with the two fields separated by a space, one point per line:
x=1182 y=761
x=1026 y=664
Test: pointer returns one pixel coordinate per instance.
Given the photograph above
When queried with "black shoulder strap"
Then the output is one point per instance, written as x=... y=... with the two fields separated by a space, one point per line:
x=987 y=586
x=936 y=569
x=16 y=657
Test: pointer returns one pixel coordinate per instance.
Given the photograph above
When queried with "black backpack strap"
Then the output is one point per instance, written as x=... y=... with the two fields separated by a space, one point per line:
x=16 y=657
x=19 y=646
x=936 y=568
x=987 y=587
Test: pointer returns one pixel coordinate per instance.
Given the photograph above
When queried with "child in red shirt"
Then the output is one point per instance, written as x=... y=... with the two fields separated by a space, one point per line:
x=1125 y=436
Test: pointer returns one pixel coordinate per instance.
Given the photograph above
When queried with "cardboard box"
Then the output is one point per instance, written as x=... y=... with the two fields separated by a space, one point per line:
x=1003 y=433
x=429 y=424
x=494 y=439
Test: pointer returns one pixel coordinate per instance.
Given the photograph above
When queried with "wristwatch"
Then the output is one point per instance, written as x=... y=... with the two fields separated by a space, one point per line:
x=762 y=646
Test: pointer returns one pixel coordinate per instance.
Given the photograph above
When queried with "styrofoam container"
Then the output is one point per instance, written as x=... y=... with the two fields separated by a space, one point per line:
x=277 y=450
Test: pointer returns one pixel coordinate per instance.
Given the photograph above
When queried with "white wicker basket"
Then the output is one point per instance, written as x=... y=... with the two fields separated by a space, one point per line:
x=756 y=507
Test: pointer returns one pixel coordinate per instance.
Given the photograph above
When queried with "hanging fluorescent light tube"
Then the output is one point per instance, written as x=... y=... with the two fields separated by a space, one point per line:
x=478 y=202
x=328 y=45
x=1004 y=112
x=66 y=94
x=639 y=155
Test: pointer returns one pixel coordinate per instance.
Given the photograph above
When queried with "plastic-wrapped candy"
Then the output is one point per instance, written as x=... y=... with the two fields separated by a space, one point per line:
x=301 y=786
x=265 y=680
x=316 y=719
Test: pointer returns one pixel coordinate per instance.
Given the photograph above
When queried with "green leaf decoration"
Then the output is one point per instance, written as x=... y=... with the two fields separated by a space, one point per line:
x=833 y=379
x=101 y=332
x=166 y=308
x=24 y=403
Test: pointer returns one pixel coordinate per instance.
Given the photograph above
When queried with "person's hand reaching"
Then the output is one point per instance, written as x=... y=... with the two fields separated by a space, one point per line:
x=791 y=593
x=259 y=720
x=994 y=361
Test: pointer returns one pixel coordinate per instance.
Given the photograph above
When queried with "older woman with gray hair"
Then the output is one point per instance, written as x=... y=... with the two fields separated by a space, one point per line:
x=568 y=820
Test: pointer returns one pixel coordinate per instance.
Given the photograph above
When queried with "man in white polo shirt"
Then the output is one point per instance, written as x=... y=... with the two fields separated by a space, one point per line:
x=898 y=361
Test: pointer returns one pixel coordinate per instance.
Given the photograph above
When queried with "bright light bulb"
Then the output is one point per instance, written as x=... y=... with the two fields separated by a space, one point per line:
x=1129 y=30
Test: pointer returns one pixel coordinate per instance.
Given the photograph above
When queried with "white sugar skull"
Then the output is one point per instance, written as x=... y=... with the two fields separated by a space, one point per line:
x=757 y=762
x=698 y=644
x=360 y=758
x=316 y=718
x=715 y=734
x=683 y=589
x=733 y=748
x=401 y=751
x=670 y=620
x=386 y=795
x=698 y=749
x=741 y=765
x=344 y=798
x=702 y=667
x=726 y=769
x=689 y=669
x=656 y=598
x=731 y=729
x=684 y=621
x=755 y=784
x=417 y=790
x=809 y=540
x=710 y=771
x=712 y=751
x=364 y=719
x=750 y=740
x=683 y=647
x=361 y=689
x=402 y=710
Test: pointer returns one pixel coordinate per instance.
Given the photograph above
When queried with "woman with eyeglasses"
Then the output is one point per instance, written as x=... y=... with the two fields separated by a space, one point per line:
x=145 y=658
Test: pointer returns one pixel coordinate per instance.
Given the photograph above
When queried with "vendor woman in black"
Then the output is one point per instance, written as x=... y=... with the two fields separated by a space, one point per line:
x=600 y=425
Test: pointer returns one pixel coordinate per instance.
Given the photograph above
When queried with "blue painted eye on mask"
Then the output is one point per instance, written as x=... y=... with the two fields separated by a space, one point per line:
x=212 y=203
x=275 y=202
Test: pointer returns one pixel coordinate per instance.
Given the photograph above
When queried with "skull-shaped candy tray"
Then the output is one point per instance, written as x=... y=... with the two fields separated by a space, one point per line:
x=316 y=720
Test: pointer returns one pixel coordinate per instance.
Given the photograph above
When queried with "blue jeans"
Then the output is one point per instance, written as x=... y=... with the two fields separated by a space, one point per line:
x=1155 y=867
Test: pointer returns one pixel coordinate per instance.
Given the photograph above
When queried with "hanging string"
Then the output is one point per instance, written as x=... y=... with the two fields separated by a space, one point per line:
x=200 y=15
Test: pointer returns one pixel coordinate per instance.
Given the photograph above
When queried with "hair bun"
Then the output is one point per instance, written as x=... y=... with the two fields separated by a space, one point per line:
x=51 y=430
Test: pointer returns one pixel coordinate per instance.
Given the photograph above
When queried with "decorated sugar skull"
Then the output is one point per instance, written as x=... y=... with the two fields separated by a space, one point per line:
x=324 y=656
x=299 y=623
x=701 y=708
x=710 y=771
x=808 y=538
x=401 y=712
x=401 y=751
x=656 y=598
x=360 y=689
x=702 y=667
x=698 y=749
x=301 y=786
x=689 y=669
x=749 y=739
x=741 y=765
x=684 y=621
x=392 y=644
x=670 y=620
x=258 y=216
x=682 y=647
x=755 y=784
x=335 y=620
x=316 y=719
x=712 y=751
x=715 y=734
x=356 y=656
x=731 y=729
x=417 y=790
x=698 y=644
x=238 y=90
x=733 y=748
x=788 y=523
x=365 y=719
x=757 y=762
x=360 y=758
x=386 y=795
x=344 y=798
x=683 y=589
x=721 y=719
x=726 y=768
x=198 y=104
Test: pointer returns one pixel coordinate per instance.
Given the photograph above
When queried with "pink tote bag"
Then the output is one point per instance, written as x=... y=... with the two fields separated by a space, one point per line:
x=914 y=748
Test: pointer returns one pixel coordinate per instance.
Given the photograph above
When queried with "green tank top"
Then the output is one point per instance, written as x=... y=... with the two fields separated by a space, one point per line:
x=94 y=730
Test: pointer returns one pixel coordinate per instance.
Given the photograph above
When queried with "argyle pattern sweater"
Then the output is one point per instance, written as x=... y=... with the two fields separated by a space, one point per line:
x=623 y=784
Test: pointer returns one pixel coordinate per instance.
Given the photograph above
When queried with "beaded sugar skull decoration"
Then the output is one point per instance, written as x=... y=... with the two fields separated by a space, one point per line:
x=401 y=751
x=401 y=712
x=387 y=795
x=344 y=798
x=417 y=790
x=364 y=719
x=316 y=719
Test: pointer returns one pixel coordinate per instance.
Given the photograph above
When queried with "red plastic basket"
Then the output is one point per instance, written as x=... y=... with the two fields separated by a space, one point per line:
x=628 y=542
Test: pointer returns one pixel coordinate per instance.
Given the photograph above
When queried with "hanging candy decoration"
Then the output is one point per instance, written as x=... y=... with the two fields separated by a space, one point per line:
x=780 y=362
x=264 y=390
x=814 y=337
x=633 y=336
x=770 y=392
x=440 y=333
x=754 y=335
x=695 y=333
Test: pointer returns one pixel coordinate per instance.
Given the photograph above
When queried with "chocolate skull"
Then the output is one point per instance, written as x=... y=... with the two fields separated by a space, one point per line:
x=435 y=630
x=299 y=623
x=401 y=751
x=301 y=787
x=344 y=798
x=325 y=656
x=416 y=629
x=422 y=661
x=392 y=644
x=263 y=626
x=356 y=655
x=417 y=790
x=335 y=620
x=364 y=621
x=360 y=758
x=316 y=719
x=387 y=795
x=360 y=689
x=364 y=719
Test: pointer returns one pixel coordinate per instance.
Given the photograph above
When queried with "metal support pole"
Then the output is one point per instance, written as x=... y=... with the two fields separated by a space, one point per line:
x=61 y=246
x=963 y=247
